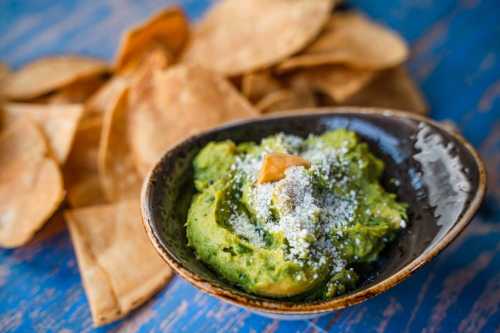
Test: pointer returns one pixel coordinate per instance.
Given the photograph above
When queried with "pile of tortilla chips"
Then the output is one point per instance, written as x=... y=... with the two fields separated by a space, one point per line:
x=78 y=135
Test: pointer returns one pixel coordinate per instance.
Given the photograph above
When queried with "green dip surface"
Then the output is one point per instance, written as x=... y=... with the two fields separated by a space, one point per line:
x=303 y=235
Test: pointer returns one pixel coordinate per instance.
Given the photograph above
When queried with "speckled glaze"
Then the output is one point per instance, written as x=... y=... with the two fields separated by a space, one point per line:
x=391 y=135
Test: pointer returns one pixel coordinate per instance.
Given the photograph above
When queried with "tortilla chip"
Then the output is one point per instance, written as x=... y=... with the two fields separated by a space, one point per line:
x=180 y=101
x=100 y=101
x=120 y=268
x=31 y=186
x=142 y=105
x=4 y=72
x=393 y=89
x=55 y=225
x=353 y=40
x=77 y=92
x=80 y=171
x=138 y=61
x=274 y=166
x=117 y=172
x=286 y=99
x=274 y=101
x=257 y=85
x=168 y=29
x=338 y=82
x=142 y=84
x=270 y=93
x=48 y=74
x=58 y=123
x=237 y=37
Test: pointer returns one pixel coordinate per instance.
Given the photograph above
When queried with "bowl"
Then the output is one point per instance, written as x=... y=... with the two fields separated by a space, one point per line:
x=436 y=171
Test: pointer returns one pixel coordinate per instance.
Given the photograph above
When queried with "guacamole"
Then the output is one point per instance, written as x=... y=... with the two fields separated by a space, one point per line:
x=291 y=216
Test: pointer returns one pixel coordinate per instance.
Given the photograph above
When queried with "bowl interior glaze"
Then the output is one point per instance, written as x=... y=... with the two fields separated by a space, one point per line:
x=403 y=141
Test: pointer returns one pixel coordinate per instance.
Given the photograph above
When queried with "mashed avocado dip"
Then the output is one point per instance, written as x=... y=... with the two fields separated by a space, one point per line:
x=291 y=216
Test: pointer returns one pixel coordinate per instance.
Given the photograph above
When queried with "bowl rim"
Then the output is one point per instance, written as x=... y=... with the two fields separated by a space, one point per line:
x=274 y=307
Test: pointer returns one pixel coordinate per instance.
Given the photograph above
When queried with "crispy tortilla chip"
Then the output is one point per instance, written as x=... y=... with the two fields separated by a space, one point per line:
x=77 y=92
x=142 y=83
x=286 y=99
x=303 y=93
x=85 y=190
x=117 y=172
x=338 y=82
x=257 y=85
x=80 y=171
x=237 y=37
x=270 y=93
x=168 y=29
x=48 y=74
x=353 y=40
x=120 y=269
x=143 y=108
x=55 y=225
x=186 y=100
x=136 y=63
x=392 y=89
x=274 y=166
x=100 y=101
x=4 y=72
x=58 y=123
x=275 y=101
x=31 y=186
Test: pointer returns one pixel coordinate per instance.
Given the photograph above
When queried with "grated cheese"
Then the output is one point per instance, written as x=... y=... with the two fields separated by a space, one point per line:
x=307 y=218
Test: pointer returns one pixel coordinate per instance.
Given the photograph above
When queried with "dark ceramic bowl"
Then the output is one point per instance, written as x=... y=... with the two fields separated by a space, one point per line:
x=439 y=175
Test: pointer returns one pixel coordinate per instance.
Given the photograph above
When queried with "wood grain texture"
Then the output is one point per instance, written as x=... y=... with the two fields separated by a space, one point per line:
x=456 y=61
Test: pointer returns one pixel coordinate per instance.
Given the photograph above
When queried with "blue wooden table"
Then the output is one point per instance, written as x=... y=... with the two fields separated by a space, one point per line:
x=456 y=61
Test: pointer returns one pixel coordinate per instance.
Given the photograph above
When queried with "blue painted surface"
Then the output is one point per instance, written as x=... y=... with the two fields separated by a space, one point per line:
x=456 y=61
